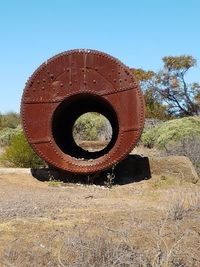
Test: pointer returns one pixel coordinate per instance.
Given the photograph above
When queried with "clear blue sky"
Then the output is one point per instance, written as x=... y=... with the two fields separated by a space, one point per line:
x=138 y=32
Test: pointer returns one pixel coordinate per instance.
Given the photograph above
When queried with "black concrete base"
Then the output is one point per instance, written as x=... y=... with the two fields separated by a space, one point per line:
x=133 y=168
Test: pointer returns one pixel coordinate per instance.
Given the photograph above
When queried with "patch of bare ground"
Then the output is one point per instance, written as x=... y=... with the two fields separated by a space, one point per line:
x=150 y=223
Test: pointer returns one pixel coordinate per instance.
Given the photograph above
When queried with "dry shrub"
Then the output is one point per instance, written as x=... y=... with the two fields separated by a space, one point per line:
x=21 y=253
x=169 y=246
x=189 y=147
x=183 y=201
x=99 y=252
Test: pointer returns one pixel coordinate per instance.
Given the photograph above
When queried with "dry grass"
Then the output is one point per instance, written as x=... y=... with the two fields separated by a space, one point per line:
x=152 y=223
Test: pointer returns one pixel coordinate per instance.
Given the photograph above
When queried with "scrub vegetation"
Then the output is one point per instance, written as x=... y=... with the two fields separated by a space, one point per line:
x=176 y=137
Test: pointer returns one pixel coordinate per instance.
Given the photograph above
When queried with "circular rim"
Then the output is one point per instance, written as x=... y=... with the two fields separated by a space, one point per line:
x=104 y=161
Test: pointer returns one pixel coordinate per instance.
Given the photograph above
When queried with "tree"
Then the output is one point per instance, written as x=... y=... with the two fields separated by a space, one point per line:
x=153 y=101
x=154 y=107
x=179 y=97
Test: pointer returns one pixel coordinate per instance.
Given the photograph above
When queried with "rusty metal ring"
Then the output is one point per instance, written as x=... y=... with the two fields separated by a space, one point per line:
x=65 y=87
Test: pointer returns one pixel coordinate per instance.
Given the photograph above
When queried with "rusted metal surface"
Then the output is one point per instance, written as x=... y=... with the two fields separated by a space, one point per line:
x=70 y=84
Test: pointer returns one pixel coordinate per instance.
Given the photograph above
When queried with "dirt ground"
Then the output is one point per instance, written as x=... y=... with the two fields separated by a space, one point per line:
x=151 y=223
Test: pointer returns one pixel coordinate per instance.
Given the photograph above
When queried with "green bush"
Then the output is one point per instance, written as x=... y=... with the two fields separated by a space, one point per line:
x=20 y=154
x=9 y=120
x=6 y=135
x=92 y=126
x=171 y=132
x=177 y=137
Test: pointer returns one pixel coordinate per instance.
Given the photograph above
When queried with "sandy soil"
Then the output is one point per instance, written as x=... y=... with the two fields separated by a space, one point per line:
x=38 y=220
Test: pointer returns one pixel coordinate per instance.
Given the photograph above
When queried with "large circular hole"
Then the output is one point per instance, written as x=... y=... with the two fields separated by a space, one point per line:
x=92 y=131
x=65 y=118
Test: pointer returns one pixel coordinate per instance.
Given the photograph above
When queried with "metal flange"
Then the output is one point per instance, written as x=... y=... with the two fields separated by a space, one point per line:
x=70 y=84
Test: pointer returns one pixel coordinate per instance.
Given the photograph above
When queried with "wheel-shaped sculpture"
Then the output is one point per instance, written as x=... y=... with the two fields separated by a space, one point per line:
x=69 y=85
